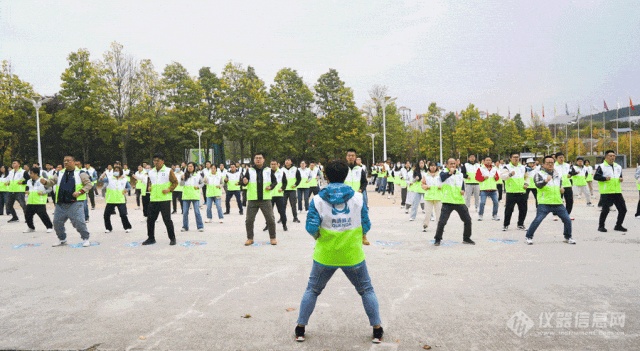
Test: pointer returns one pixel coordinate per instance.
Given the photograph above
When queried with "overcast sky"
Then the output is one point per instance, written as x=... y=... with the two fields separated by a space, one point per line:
x=495 y=54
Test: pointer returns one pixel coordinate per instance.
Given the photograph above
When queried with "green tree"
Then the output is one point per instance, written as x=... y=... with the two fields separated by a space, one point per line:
x=211 y=86
x=400 y=141
x=517 y=119
x=538 y=135
x=470 y=135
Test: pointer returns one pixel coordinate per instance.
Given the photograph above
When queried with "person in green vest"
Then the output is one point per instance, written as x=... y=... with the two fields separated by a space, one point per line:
x=590 y=171
x=232 y=180
x=214 y=181
x=404 y=184
x=94 y=180
x=637 y=176
x=549 y=182
x=416 y=193
x=290 y=193
x=16 y=186
x=516 y=183
x=176 y=196
x=609 y=177
x=72 y=188
x=314 y=175
x=472 y=186
x=337 y=220
x=141 y=177
x=499 y=183
x=37 y=202
x=580 y=180
x=161 y=182
x=566 y=172
x=191 y=182
x=452 y=200
x=357 y=180
x=277 y=194
x=259 y=181
x=4 y=190
x=432 y=186
x=487 y=175
x=303 y=187
x=117 y=187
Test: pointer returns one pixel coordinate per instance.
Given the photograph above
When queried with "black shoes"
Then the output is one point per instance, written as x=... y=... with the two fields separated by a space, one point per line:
x=602 y=229
x=377 y=335
x=436 y=243
x=226 y=212
x=620 y=228
x=284 y=227
x=280 y=221
x=149 y=242
x=13 y=220
x=468 y=242
x=295 y=220
x=172 y=242
x=299 y=333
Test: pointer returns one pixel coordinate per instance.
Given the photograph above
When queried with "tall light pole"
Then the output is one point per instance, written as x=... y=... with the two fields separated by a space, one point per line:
x=373 y=149
x=199 y=132
x=37 y=103
x=383 y=103
x=440 y=110
x=407 y=119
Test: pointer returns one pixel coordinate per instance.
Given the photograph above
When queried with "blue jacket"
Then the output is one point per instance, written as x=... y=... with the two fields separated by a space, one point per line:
x=334 y=193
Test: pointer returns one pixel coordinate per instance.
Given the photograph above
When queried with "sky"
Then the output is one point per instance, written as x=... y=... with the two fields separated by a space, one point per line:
x=499 y=55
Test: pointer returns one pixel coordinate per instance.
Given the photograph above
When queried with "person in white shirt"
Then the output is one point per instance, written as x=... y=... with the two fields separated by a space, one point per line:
x=16 y=182
x=191 y=182
x=37 y=202
x=214 y=182
x=432 y=185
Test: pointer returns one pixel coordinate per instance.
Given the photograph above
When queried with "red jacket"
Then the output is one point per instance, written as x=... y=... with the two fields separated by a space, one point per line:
x=480 y=177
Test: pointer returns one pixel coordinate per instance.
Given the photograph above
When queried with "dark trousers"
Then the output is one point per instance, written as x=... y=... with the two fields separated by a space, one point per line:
x=41 y=211
x=92 y=197
x=607 y=201
x=4 y=201
x=291 y=197
x=138 y=194
x=534 y=190
x=244 y=197
x=499 y=186
x=373 y=179
x=403 y=196
x=638 y=209
x=282 y=209
x=303 y=194
x=13 y=197
x=445 y=212
x=568 y=199
x=391 y=186
x=231 y=194
x=314 y=190
x=53 y=196
x=145 y=205
x=122 y=210
x=177 y=196
x=155 y=208
x=514 y=199
x=267 y=210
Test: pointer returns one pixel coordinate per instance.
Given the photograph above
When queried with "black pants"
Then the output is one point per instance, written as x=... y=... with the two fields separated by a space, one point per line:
x=92 y=197
x=177 y=195
x=568 y=199
x=291 y=197
x=155 y=208
x=138 y=194
x=231 y=194
x=244 y=197
x=392 y=187
x=53 y=196
x=41 y=211
x=4 y=201
x=282 y=209
x=373 y=179
x=314 y=190
x=403 y=196
x=534 y=190
x=514 y=199
x=499 y=186
x=445 y=212
x=13 y=197
x=122 y=210
x=145 y=205
x=607 y=201
x=638 y=209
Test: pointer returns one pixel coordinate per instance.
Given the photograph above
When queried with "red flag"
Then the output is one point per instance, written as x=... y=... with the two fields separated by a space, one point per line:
x=605 y=105
x=631 y=104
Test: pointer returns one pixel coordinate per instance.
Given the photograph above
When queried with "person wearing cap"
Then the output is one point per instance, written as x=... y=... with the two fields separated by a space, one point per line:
x=532 y=168
x=580 y=180
x=516 y=184
x=609 y=177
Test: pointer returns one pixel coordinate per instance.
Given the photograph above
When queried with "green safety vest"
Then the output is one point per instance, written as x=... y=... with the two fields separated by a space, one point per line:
x=17 y=185
x=589 y=175
x=275 y=191
x=611 y=186
x=451 y=189
x=566 y=182
x=579 y=179
x=515 y=184
x=179 y=177
x=340 y=240
x=304 y=175
x=213 y=181
x=416 y=187
x=489 y=183
x=78 y=184
x=252 y=186
x=471 y=174
x=291 y=177
x=353 y=177
x=434 y=193
x=114 y=193
x=313 y=182
x=35 y=198
x=189 y=191
x=234 y=180
x=159 y=181
x=140 y=184
x=550 y=193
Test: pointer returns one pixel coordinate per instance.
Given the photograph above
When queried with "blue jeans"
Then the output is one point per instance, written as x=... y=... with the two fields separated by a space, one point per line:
x=558 y=210
x=86 y=210
x=357 y=275
x=185 y=214
x=383 y=186
x=210 y=202
x=303 y=193
x=483 y=199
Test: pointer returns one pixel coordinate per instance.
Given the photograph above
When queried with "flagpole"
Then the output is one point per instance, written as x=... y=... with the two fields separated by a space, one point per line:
x=617 y=139
x=591 y=128
x=578 y=154
x=604 y=127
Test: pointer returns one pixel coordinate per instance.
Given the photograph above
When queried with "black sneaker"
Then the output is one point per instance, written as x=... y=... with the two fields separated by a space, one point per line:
x=602 y=229
x=172 y=242
x=521 y=227
x=295 y=220
x=149 y=242
x=377 y=335
x=13 y=220
x=226 y=212
x=299 y=333
x=280 y=221
x=620 y=228
x=436 y=243
x=266 y=227
x=284 y=227
x=468 y=242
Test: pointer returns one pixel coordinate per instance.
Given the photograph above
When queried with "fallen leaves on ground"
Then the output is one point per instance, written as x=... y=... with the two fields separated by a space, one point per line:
x=246 y=316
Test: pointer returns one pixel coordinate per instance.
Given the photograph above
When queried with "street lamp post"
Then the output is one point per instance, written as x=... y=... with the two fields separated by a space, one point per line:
x=373 y=150
x=199 y=132
x=37 y=103
x=384 y=102
x=440 y=110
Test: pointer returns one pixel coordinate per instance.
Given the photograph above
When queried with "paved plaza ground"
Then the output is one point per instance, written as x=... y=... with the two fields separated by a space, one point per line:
x=496 y=295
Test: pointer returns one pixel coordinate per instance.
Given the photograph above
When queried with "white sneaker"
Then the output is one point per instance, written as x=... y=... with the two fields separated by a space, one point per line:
x=86 y=243
x=221 y=221
x=29 y=230
x=127 y=230
x=637 y=217
x=480 y=217
x=496 y=218
x=407 y=211
x=208 y=221
x=570 y=241
x=49 y=230
x=433 y=218
x=411 y=219
x=529 y=241
x=60 y=243
x=183 y=229
x=201 y=230
x=107 y=231
x=505 y=228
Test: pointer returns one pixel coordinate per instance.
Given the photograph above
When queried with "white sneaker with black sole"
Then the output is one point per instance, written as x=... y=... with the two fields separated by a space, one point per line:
x=529 y=241
x=570 y=241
